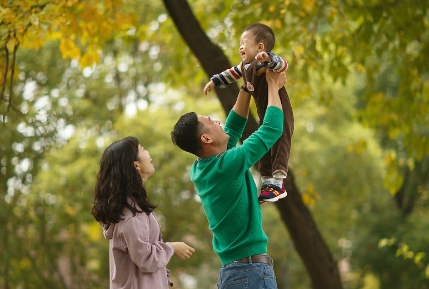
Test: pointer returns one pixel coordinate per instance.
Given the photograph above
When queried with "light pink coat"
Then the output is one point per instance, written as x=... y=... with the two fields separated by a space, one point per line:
x=137 y=256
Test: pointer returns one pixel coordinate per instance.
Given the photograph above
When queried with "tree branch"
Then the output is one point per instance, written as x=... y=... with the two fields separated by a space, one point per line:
x=6 y=69
x=12 y=72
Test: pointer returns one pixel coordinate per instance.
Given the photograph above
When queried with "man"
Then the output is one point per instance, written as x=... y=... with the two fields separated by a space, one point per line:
x=228 y=193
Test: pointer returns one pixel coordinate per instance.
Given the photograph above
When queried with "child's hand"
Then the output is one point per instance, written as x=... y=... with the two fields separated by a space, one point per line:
x=182 y=250
x=209 y=87
x=263 y=57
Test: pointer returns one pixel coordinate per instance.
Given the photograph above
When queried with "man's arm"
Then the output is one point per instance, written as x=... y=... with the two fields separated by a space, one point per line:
x=258 y=143
x=241 y=106
x=275 y=82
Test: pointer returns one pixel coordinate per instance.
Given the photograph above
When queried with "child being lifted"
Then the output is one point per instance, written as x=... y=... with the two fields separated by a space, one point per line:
x=256 y=43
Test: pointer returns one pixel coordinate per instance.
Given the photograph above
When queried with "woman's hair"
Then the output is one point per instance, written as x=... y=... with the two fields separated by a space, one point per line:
x=263 y=34
x=119 y=184
x=186 y=132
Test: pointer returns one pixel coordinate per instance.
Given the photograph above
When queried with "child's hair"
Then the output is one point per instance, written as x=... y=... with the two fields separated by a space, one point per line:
x=263 y=34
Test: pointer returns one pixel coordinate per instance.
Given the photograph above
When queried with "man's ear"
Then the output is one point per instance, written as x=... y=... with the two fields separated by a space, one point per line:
x=261 y=46
x=205 y=138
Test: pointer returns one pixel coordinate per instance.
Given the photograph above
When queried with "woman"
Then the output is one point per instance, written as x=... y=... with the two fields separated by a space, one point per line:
x=137 y=254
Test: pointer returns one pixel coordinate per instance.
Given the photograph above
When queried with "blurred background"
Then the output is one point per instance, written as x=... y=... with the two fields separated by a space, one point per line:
x=77 y=75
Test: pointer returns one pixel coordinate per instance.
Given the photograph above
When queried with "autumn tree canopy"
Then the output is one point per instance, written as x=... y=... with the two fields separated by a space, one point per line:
x=72 y=70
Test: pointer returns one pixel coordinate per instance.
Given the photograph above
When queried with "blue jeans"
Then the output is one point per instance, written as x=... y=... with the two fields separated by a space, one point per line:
x=247 y=276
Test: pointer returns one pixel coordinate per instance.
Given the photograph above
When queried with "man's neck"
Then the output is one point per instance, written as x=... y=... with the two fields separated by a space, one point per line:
x=209 y=151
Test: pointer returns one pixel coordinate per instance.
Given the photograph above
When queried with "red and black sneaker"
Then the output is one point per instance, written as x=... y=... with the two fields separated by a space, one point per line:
x=271 y=193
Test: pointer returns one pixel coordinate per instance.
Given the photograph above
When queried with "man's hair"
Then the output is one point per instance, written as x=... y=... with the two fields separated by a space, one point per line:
x=262 y=33
x=186 y=133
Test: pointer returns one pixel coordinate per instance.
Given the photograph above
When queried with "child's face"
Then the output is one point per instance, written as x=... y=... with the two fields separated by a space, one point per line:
x=249 y=47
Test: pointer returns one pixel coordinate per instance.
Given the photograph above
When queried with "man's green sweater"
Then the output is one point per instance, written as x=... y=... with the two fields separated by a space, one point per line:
x=228 y=192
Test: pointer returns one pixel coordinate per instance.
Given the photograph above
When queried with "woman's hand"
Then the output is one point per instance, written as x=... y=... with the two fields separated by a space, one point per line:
x=182 y=250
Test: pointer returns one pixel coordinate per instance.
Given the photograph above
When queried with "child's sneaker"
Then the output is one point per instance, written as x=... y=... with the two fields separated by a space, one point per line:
x=271 y=193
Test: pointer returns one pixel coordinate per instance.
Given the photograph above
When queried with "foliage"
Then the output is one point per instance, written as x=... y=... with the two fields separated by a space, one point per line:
x=72 y=71
x=386 y=244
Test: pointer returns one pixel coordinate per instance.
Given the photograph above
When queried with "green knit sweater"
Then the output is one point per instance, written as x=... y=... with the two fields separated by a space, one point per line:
x=228 y=192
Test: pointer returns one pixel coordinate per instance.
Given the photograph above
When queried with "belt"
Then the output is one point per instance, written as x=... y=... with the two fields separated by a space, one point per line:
x=257 y=259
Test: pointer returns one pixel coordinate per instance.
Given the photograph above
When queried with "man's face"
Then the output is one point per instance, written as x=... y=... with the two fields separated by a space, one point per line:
x=214 y=130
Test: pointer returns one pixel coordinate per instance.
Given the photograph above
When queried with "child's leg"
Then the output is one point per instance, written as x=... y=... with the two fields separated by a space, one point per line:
x=273 y=189
x=280 y=152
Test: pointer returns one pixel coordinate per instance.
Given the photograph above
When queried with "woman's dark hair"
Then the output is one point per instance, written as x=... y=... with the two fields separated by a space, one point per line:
x=262 y=33
x=119 y=184
x=186 y=132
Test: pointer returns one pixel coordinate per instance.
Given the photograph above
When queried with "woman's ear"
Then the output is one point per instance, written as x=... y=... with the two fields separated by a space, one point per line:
x=136 y=165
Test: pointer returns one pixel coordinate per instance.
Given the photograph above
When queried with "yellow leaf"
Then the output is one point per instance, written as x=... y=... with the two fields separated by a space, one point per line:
x=418 y=258
x=278 y=23
x=71 y=2
x=90 y=57
x=272 y=8
x=70 y=210
x=34 y=19
x=24 y=264
x=308 y=5
x=62 y=3
x=360 y=67
x=382 y=243
x=299 y=50
x=409 y=255
x=11 y=44
x=94 y=231
x=391 y=241
x=69 y=49
x=306 y=199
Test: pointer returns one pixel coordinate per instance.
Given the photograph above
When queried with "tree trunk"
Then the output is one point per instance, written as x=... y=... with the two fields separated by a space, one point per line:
x=307 y=239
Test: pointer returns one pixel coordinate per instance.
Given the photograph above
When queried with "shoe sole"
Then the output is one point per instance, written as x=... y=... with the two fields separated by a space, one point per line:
x=281 y=196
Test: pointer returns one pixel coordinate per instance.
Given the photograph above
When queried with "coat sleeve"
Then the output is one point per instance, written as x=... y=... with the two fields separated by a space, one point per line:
x=145 y=246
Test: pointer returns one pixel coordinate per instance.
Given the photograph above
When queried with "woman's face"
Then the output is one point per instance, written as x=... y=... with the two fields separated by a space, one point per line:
x=143 y=164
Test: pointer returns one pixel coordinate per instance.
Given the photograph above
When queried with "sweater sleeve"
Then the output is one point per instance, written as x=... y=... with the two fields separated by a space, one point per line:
x=149 y=256
x=234 y=127
x=256 y=145
x=227 y=77
x=278 y=64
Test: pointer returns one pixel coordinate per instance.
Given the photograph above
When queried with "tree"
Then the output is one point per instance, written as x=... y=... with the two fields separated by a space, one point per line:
x=326 y=27
x=385 y=42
